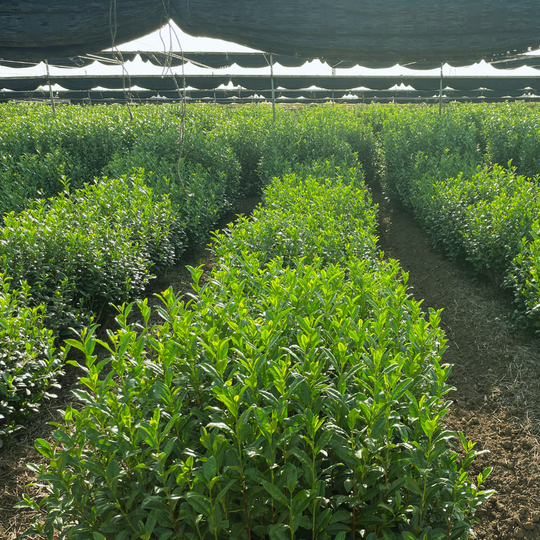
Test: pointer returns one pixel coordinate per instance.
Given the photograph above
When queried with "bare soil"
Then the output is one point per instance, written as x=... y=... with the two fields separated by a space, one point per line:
x=496 y=375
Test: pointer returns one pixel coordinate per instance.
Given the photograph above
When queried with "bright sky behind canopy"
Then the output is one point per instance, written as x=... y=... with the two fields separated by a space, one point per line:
x=171 y=37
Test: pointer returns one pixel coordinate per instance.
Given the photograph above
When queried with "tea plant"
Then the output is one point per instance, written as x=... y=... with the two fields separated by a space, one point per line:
x=485 y=217
x=39 y=150
x=308 y=136
x=524 y=279
x=29 y=363
x=480 y=214
x=291 y=398
x=410 y=131
x=326 y=215
x=80 y=252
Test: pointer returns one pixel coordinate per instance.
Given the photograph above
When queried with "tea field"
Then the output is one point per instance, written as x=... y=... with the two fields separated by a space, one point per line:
x=301 y=389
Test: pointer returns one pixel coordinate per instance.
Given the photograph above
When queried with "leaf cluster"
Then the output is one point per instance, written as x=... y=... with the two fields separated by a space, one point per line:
x=79 y=252
x=29 y=363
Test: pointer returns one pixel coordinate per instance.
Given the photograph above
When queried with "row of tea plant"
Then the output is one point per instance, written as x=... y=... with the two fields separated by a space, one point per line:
x=107 y=200
x=163 y=180
x=459 y=175
x=300 y=394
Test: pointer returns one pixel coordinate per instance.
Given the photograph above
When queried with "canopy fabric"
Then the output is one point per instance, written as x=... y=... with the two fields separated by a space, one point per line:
x=373 y=30
x=529 y=61
x=262 y=83
x=38 y=29
x=173 y=59
x=304 y=96
x=337 y=30
x=219 y=60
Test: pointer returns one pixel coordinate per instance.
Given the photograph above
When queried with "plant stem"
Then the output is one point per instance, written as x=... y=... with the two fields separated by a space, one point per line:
x=245 y=507
x=354 y=508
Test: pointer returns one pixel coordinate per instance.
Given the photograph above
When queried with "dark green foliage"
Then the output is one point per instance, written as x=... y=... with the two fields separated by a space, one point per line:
x=29 y=363
x=291 y=399
x=410 y=131
x=245 y=131
x=197 y=196
x=33 y=175
x=198 y=171
x=475 y=213
x=81 y=251
x=305 y=136
x=39 y=153
x=524 y=279
x=326 y=215
x=512 y=135
x=483 y=215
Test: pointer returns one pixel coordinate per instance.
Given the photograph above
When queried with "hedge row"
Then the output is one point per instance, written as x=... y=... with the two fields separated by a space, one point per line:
x=299 y=395
x=98 y=243
x=40 y=152
x=170 y=179
x=81 y=251
x=29 y=362
x=66 y=260
x=475 y=209
x=488 y=217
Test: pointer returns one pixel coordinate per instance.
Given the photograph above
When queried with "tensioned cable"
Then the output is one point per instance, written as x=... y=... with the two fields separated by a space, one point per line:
x=113 y=27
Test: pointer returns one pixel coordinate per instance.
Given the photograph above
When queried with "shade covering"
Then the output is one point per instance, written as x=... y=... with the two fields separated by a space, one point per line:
x=398 y=31
x=357 y=30
x=283 y=96
x=38 y=29
x=524 y=60
x=260 y=83
x=221 y=60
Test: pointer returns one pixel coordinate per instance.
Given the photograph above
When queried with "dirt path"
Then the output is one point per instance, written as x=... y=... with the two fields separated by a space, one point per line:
x=496 y=374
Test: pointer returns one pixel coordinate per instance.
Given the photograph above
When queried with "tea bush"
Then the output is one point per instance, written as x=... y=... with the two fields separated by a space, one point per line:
x=198 y=172
x=325 y=215
x=81 y=251
x=409 y=132
x=39 y=151
x=197 y=197
x=29 y=363
x=467 y=192
x=32 y=176
x=294 y=397
x=524 y=278
x=244 y=130
x=485 y=217
x=299 y=139
x=512 y=135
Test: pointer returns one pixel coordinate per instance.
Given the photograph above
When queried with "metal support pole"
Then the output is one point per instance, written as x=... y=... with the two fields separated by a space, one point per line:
x=273 y=89
x=440 y=91
x=50 y=88
x=334 y=73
